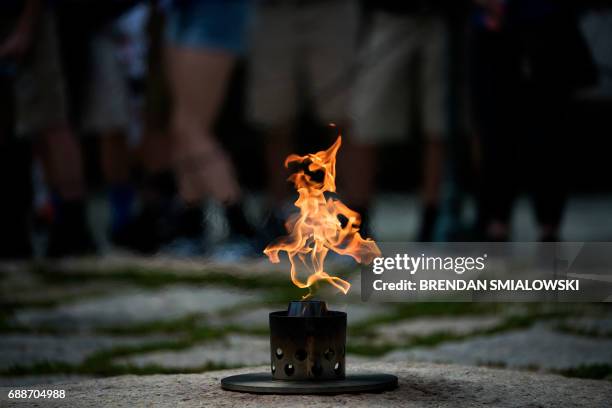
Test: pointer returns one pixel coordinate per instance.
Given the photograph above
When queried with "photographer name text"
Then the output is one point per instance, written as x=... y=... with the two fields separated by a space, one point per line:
x=478 y=285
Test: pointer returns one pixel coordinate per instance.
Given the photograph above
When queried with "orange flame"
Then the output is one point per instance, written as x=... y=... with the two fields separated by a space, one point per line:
x=322 y=224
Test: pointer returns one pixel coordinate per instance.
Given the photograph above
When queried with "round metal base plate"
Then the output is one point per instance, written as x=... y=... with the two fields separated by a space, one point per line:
x=264 y=383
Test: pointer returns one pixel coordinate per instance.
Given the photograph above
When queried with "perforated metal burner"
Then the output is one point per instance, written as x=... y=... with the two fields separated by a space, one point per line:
x=307 y=352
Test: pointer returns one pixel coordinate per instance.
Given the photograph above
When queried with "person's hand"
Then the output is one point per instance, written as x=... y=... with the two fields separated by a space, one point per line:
x=15 y=45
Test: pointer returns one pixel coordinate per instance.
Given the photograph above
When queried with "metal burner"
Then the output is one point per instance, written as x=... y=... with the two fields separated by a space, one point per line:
x=307 y=351
x=307 y=347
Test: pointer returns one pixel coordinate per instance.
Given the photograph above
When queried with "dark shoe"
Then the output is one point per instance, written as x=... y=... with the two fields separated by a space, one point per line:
x=16 y=202
x=428 y=224
x=139 y=234
x=70 y=234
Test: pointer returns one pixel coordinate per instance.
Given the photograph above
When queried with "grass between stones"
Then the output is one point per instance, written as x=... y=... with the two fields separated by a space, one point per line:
x=563 y=327
x=591 y=371
x=191 y=329
x=277 y=284
x=362 y=343
x=102 y=363
x=192 y=332
x=158 y=277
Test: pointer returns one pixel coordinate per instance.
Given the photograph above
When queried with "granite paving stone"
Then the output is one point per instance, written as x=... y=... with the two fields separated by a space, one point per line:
x=400 y=331
x=29 y=349
x=536 y=347
x=136 y=306
x=420 y=385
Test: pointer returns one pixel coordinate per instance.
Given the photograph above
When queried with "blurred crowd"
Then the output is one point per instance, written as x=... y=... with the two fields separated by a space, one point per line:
x=149 y=84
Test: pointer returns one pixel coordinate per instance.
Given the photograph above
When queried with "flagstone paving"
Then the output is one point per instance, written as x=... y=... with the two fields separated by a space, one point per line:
x=233 y=351
x=28 y=349
x=404 y=330
x=536 y=348
x=589 y=325
x=252 y=318
x=135 y=306
x=360 y=313
x=99 y=317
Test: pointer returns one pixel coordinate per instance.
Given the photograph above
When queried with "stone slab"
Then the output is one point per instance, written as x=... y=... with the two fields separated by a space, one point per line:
x=135 y=306
x=537 y=347
x=253 y=318
x=400 y=331
x=180 y=267
x=235 y=350
x=420 y=385
x=29 y=349
x=51 y=379
x=591 y=325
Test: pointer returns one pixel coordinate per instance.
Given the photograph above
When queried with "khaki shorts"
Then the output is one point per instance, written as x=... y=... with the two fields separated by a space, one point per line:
x=301 y=51
x=384 y=91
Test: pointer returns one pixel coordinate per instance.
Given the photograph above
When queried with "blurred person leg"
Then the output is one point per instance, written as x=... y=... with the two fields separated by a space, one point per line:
x=152 y=224
x=526 y=97
x=329 y=75
x=115 y=159
x=552 y=41
x=203 y=42
x=546 y=156
x=18 y=27
x=273 y=100
x=16 y=206
x=360 y=190
x=41 y=104
x=496 y=89
x=382 y=100
x=301 y=55
x=434 y=90
x=106 y=116
x=16 y=181
x=433 y=163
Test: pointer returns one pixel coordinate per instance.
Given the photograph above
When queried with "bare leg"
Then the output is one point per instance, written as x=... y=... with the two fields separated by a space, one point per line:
x=198 y=81
x=115 y=161
x=431 y=185
x=154 y=150
x=432 y=173
x=358 y=163
x=63 y=162
x=358 y=177
x=115 y=157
